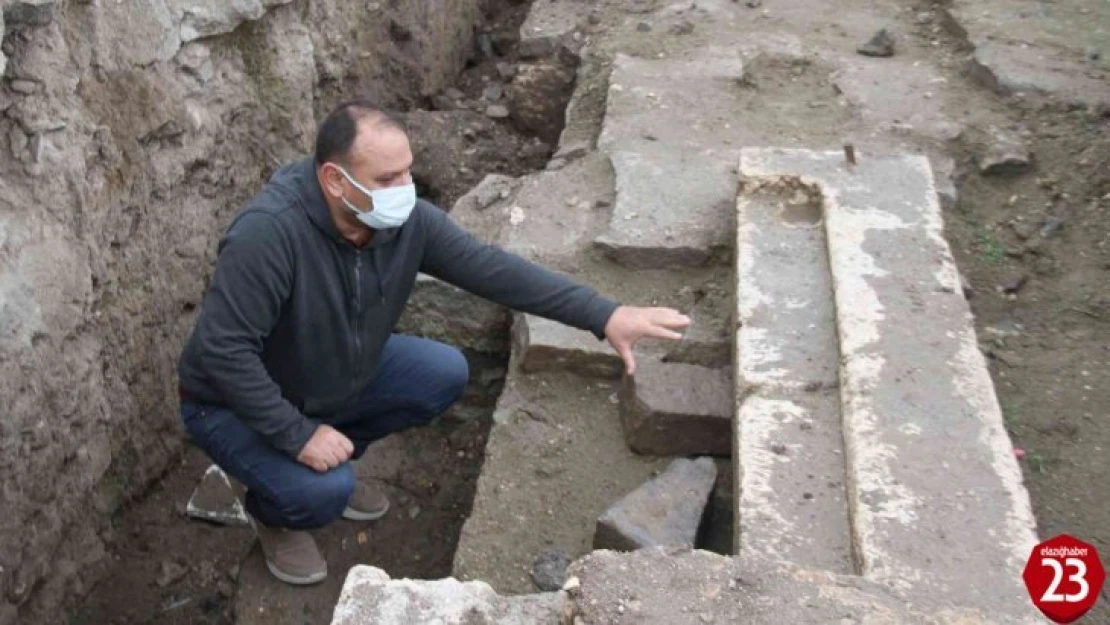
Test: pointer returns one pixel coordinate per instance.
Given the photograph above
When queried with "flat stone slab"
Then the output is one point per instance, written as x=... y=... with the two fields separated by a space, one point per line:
x=937 y=495
x=547 y=345
x=664 y=512
x=1024 y=45
x=681 y=587
x=878 y=89
x=673 y=409
x=544 y=217
x=370 y=596
x=216 y=499
x=665 y=129
x=671 y=209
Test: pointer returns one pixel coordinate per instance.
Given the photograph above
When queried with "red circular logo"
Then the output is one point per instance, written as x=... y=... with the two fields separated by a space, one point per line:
x=1064 y=577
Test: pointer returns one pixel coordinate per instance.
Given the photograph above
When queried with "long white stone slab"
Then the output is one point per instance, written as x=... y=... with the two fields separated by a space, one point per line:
x=936 y=497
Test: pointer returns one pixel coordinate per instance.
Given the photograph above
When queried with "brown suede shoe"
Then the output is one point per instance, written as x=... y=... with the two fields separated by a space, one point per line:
x=291 y=555
x=368 y=503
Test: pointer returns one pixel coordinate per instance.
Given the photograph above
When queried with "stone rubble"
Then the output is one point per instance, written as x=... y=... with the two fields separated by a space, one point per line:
x=370 y=596
x=881 y=44
x=666 y=511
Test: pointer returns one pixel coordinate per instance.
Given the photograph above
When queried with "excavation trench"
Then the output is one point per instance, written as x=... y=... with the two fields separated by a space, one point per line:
x=162 y=567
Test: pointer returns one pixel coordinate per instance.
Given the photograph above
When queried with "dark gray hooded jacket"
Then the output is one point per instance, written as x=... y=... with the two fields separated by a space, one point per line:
x=295 y=317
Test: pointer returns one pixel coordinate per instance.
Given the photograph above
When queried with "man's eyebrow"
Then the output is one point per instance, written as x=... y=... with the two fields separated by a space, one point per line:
x=394 y=174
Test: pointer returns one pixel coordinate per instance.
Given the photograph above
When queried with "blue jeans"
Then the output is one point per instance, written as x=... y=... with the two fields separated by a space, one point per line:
x=418 y=379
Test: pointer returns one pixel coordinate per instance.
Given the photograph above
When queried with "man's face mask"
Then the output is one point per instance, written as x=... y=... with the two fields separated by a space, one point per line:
x=390 y=206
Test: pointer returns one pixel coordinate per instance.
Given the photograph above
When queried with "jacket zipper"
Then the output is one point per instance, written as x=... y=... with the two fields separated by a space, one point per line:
x=358 y=309
x=378 y=276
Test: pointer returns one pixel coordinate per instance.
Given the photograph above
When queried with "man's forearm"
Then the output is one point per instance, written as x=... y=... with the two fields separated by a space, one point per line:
x=455 y=256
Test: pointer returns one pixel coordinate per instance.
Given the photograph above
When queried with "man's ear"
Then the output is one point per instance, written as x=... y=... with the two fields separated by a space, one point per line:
x=332 y=179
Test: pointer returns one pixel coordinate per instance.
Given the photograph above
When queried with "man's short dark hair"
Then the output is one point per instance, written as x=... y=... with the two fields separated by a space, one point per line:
x=339 y=129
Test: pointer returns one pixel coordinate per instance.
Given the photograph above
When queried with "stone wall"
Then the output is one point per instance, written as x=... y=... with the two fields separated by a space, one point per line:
x=131 y=132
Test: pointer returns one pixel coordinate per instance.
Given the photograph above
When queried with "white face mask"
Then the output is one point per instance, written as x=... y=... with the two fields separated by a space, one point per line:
x=391 y=206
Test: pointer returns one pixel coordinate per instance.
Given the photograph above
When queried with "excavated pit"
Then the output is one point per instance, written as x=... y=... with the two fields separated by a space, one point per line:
x=162 y=567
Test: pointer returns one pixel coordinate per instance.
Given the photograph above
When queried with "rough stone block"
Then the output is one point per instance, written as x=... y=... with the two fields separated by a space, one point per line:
x=666 y=511
x=205 y=18
x=216 y=500
x=370 y=596
x=672 y=209
x=440 y=311
x=29 y=12
x=668 y=132
x=1005 y=154
x=673 y=409
x=548 y=345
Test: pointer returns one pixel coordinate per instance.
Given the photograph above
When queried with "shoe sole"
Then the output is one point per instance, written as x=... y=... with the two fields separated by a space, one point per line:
x=295 y=580
x=356 y=515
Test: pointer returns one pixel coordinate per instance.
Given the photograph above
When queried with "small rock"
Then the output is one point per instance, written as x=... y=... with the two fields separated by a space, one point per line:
x=753 y=4
x=556 y=163
x=924 y=17
x=488 y=195
x=1023 y=229
x=643 y=27
x=1004 y=155
x=506 y=70
x=881 y=44
x=25 y=87
x=572 y=585
x=493 y=92
x=225 y=588
x=516 y=216
x=685 y=27
x=497 y=111
x=454 y=93
x=414 y=512
x=779 y=449
x=171 y=572
x=441 y=102
x=549 y=571
x=1051 y=227
x=485 y=45
x=1013 y=285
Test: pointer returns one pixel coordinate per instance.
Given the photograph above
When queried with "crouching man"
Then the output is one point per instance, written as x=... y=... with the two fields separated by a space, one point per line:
x=293 y=369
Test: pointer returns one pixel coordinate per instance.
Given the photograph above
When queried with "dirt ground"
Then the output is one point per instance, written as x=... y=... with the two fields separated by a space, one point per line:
x=1049 y=343
x=1035 y=251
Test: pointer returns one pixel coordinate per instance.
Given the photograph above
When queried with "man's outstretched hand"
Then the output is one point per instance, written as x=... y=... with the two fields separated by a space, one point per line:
x=629 y=324
x=328 y=448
